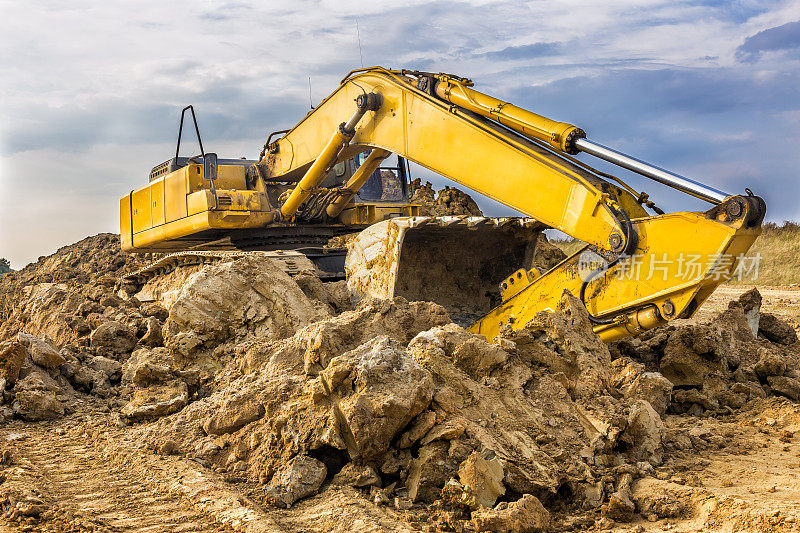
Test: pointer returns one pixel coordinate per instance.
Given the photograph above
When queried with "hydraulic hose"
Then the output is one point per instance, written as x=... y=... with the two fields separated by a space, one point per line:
x=632 y=242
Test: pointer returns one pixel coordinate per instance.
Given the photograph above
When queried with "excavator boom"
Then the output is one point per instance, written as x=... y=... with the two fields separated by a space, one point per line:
x=640 y=277
x=636 y=271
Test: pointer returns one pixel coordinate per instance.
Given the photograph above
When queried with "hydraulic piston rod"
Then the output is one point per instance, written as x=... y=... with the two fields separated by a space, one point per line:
x=562 y=136
x=689 y=186
x=327 y=158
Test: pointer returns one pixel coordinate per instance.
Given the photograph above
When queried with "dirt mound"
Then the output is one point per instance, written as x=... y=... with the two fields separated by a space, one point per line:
x=55 y=295
x=737 y=357
x=447 y=201
x=282 y=391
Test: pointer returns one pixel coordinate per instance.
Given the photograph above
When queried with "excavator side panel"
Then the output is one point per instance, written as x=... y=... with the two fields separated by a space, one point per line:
x=181 y=204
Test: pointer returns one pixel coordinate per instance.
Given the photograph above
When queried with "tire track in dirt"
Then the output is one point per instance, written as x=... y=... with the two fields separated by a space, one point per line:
x=90 y=485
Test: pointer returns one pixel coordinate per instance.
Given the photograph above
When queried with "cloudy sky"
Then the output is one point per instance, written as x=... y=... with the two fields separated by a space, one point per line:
x=92 y=90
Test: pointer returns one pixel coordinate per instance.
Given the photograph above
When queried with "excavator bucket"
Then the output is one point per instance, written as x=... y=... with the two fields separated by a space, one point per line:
x=457 y=262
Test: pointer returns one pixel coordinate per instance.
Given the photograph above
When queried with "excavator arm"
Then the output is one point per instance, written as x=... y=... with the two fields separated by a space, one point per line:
x=450 y=140
x=636 y=272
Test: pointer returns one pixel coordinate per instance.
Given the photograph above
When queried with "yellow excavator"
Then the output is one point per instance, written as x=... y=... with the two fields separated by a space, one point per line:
x=328 y=176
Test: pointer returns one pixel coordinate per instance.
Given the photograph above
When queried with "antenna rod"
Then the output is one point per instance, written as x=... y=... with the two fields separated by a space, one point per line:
x=310 y=103
x=360 y=54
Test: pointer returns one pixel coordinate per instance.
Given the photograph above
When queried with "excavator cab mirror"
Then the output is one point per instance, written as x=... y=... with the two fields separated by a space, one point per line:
x=210 y=166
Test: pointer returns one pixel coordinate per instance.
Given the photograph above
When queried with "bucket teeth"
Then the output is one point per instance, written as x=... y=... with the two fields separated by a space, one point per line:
x=467 y=222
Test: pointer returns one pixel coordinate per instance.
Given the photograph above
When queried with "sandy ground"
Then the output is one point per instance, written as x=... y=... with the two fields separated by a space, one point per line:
x=750 y=483
x=99 y=482
x=782 y=301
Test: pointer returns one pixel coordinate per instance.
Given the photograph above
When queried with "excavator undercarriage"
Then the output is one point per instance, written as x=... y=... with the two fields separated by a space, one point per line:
x=326 y=177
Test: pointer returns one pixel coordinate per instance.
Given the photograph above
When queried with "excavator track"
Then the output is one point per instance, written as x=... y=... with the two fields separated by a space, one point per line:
x=290 y=261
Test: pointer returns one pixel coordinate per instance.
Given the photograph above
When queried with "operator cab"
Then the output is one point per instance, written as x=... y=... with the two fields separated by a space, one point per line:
x=388 y=183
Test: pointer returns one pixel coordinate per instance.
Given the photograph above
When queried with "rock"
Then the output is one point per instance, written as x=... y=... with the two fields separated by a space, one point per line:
x=526 y=515
x=396 y=462
x=529 y=395
x=82 y=378
x=482 y=475
x=42 y=353
x=169 y=447
x=785 y=386
x=338 y=296
x=421 y=425
x=546 y=255
x=38 y=379
x=88 y=307
x=770 y=365
x=111 y=368
x=37 y=404
x=429 y=472
x=690 y=397
x=327 y=295
x=478 y=358
x=691 y=354
x=12 y=355
x=250 y=298
x=155 y=310
x=448 y=201
x=634 y=383
x=745 y=374
x=313 y=347
x=750 y=303
x=152 y=336
x=156 y=401
x=654 y=388
x=447 y=431
x=776 y=330
x=376 y=390
x=302 y=476
x=643 y=432
x=79 y=325
x=571 y=330
x=358 y=476
x=148 y=373
x=719 y=389
x=110 y=300
x=620 y=507
x=114 y=337
x=235 y=413
x=156 y=358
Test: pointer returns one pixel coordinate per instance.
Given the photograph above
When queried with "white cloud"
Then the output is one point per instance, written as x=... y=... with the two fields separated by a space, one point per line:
x=92 y=89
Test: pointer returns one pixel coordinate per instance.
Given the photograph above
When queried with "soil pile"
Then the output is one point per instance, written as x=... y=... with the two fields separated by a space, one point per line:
x=390 y=409
x=447 y=201
x=59 y=295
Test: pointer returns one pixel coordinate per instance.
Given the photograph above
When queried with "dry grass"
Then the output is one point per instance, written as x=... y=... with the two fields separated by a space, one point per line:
x=568 y=246
x=778 y=245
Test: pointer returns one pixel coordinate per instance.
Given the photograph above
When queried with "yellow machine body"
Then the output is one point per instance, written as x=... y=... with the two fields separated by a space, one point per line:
x=175 y=211
x=181 y=204
x=488 y=146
